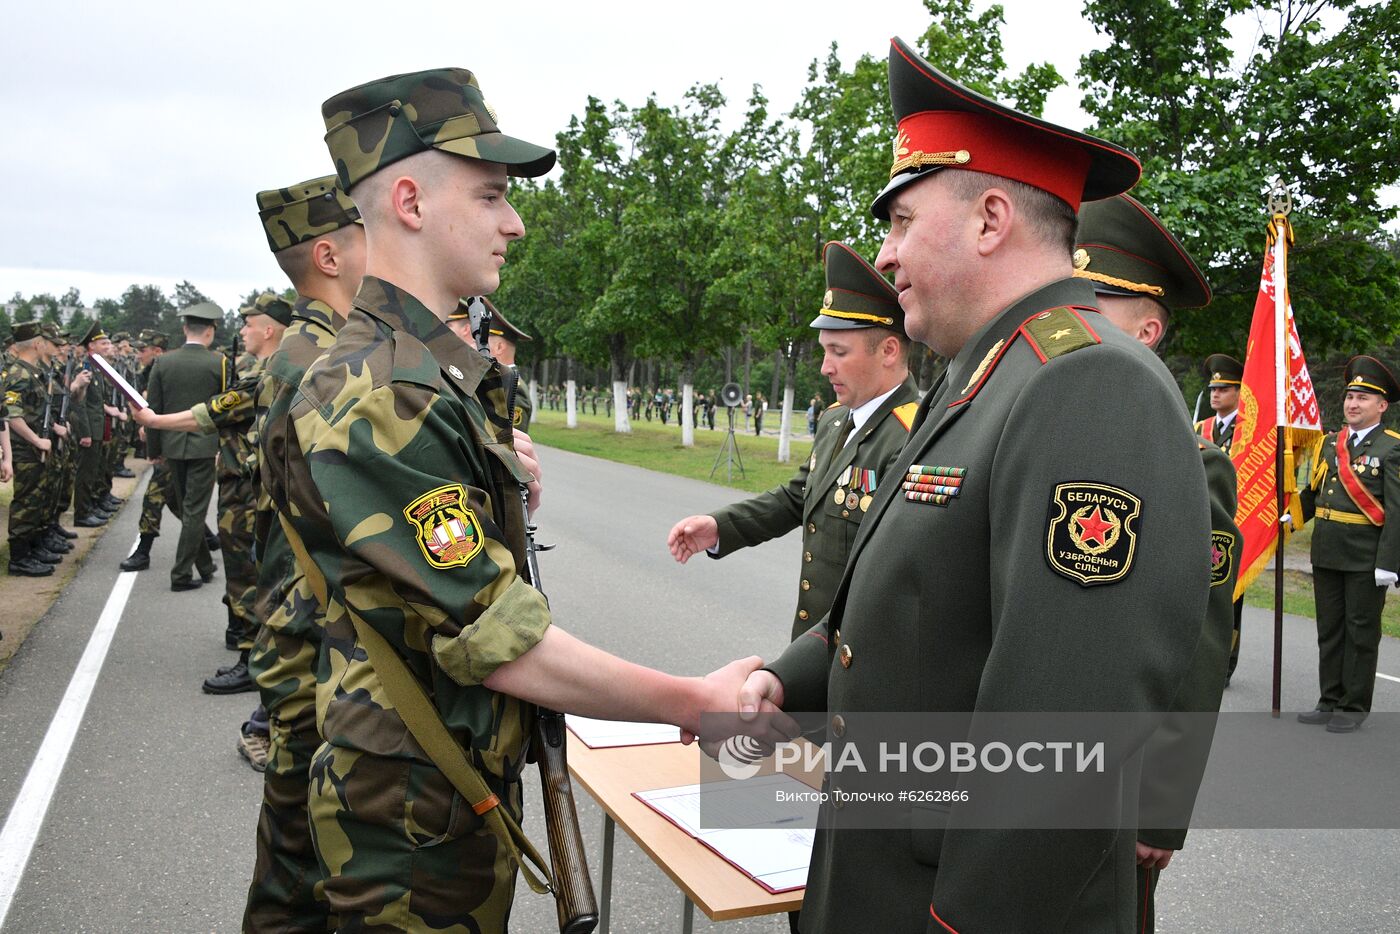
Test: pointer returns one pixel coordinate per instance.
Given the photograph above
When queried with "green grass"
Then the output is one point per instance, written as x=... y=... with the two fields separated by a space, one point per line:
x=655 y=447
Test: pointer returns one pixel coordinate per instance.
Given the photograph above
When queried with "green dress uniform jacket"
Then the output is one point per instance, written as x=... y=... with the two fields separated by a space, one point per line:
x=180 y=380
x=1343 y=539
x=1068 y=573
x=818 y=499
x=1209 y=428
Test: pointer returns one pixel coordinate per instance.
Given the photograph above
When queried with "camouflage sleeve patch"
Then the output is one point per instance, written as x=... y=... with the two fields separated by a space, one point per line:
x=1057 y=332
x=1091 y=532
x=449 y=533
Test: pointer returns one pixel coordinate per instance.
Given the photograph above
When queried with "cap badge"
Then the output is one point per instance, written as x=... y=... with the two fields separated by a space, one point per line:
x=1081 y=259
x=454 y=372
x=826 y=299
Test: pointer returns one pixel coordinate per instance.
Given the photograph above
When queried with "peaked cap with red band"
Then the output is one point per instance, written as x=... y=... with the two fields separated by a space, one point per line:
x=857 y=296
x=945 y=125
x=1124 y=249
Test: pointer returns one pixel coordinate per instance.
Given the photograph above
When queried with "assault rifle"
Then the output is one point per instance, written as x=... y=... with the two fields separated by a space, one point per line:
x=574 y=901
x=46 y=430
x=67 y=391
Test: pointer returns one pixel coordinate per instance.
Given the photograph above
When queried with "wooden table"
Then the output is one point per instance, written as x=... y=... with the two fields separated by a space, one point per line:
x=612 y=775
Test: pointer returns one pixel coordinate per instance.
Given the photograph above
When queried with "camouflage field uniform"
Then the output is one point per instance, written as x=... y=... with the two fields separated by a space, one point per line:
x=25 y=398
x=230 y=414
x=283 y=659
x=284 y=894
x=403 y=489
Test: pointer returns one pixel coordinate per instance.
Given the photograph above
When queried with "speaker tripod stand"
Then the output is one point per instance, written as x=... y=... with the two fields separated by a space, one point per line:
x=729 y=453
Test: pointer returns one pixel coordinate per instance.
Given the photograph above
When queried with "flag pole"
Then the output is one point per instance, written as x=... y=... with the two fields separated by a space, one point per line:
x=1280 y=205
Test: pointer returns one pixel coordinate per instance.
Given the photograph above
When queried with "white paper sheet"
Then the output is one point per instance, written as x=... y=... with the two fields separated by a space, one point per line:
x=125 y=388
x=775 y=845
x=606 y=734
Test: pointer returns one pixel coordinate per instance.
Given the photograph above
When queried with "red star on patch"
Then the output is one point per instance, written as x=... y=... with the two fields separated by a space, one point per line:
x=1216 y=555
x=1092 y=528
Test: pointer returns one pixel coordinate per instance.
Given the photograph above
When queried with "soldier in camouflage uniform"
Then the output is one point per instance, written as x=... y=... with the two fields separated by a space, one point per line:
x=231 y=415
x=402 y=481
x=62 y=462
x=122 y=345
x=313 y=231
x=26 y=399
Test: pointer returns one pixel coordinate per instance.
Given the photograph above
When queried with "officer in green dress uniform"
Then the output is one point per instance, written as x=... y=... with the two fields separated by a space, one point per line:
x=1030 y=558
x=180 y=379
x=1355 y=551
x=1140 y=275
x=1225 y=374
x=866 y=359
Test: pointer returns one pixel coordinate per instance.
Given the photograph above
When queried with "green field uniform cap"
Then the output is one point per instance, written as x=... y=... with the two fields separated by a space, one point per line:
x=203 y=313
x=1367 y=374
x=154 y=338
x=857 y=296
x=500 y=327
x=943 y=124
x=1224 y=371
x=304 y=212
x=380 y=122
x=1124 y=249
x=120 y=336
x=271 y=304
x=27 y=331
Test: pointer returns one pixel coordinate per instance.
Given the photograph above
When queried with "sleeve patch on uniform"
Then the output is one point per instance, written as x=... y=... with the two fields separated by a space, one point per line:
x=905 y=413
x=449 y=532
x=12 y=397
x=1091 y=533
x=517 y=417
x=227 y=401
x=1222 y=556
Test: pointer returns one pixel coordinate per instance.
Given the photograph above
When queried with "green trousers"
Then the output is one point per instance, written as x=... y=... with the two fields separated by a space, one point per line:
x=1348 y=637
x=193 y=481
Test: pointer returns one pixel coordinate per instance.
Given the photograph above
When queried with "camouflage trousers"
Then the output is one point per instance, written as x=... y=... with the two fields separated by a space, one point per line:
x=160 y=493
x=286 y=874
x=402 y=851
x=236 y=501
x=29 y=508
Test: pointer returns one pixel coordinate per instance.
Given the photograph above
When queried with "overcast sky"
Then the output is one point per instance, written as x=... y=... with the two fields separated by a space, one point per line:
x=136 y=134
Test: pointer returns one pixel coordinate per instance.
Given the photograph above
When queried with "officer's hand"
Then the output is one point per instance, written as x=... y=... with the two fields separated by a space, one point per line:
x=1386 y=578
x=84 y=442
x=692 y=535
x=60 y=430
x=525 y=451
x=1151 y=857
x=724 y=692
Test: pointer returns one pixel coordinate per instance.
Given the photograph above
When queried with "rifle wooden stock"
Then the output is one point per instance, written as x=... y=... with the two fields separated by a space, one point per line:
x=574 y=901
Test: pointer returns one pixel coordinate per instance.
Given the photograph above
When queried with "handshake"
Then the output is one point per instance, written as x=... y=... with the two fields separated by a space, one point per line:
x=742 y=687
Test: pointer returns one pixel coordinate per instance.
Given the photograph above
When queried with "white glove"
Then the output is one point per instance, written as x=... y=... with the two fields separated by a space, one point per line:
x=1286 y=520
x=1386 y=578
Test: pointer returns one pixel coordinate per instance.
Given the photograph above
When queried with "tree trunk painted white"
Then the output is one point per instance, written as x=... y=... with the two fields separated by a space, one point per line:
x=571 y=404
x=621 y=424
x=534 y=395
x=687 y=415
x=785 y=426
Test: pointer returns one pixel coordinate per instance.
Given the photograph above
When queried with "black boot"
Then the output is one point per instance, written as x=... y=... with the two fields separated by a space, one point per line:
x=140 y=559
x=22 y=565
x=234 y=681
x=211 y=539
x=39 y=553
x=55 y=543
x=62 y=532
x=124 y=472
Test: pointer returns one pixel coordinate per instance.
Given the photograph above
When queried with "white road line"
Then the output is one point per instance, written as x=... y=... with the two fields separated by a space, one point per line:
x=1388 y=677
x=27 y=815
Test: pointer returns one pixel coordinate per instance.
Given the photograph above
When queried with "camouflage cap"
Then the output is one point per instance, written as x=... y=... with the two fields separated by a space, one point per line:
x=49 y=330
x=304 y=212
x=158 y=340
x=120 y=336
x=271 y=304
x=204 y=312
x=857 y=296
x=383 y=121
x=27 y=330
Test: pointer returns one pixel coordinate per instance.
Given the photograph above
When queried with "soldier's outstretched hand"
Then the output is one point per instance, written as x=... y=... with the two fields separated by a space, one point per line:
x=692 y=535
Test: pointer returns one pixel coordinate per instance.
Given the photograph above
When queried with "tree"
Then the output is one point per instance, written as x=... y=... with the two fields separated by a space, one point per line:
x=146 y=306
x=186 y=294
x=1312 y=106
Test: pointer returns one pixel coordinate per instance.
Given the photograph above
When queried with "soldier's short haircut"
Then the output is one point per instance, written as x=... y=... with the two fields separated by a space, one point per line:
x=195 y=328
x=30 y=342
x=295 y=261
x=371 y=193
x=1053 y=221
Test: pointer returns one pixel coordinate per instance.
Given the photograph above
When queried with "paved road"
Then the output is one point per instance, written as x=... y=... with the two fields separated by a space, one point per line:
x=150 y=827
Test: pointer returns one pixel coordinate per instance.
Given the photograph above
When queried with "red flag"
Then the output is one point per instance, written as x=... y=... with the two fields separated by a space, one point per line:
x=1276 y=391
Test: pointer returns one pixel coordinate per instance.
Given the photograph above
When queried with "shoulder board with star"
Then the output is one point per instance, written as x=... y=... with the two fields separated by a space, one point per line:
x=1057 y=332
x=905 y=413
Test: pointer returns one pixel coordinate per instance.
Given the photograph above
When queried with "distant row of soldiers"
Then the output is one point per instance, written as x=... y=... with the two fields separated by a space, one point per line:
x=68 y=433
